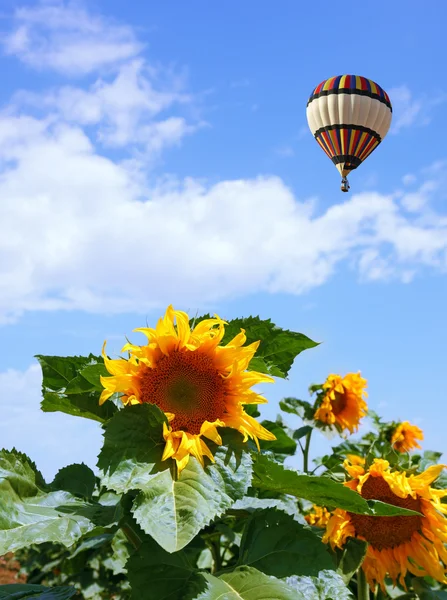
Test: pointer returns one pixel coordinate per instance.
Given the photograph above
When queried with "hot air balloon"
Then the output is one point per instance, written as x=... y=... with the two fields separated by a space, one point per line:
x=349 y=116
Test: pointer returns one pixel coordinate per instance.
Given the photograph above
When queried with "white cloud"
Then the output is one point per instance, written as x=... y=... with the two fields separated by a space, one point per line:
x=406 y=109
x=409 y=179
x=79 y=231
x=285 y=151
x=409 y=110
x=415 y=201
x=64 y=37
x=123 y=110
x=52 y=440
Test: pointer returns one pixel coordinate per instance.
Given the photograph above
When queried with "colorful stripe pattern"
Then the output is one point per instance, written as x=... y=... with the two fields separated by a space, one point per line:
x=348 y=129
x=350 y=84
x=347 y=145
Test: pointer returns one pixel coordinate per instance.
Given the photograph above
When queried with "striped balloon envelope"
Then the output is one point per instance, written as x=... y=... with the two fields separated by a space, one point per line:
x=349 y=116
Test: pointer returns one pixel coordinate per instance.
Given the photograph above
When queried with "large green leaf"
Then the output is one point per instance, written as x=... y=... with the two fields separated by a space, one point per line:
x=71 y=385
x=269 y=475
x=351 y=558
x=246 y=583
x=29 y=513
x=277 y=545
x=327 y=586
x=283 y=444
x=58 y=371
x=157 y=574
x=78 y=479
x=174 y=511
x=23 y=591
x=278 y=348
x=286 y=504
x=171 y=510
x=133 y=447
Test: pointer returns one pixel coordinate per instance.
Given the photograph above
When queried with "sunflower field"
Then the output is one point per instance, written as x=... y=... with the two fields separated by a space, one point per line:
x=196 y=498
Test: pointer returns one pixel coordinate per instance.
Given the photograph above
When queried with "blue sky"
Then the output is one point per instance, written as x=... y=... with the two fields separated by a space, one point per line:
x=156 y=153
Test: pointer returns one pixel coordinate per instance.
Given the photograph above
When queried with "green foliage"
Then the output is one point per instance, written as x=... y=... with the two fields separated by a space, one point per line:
x=79 y=480
x=351 y=558
x=21 y=591
x=277 y=545
x=231 y=530
x=71 y=384
x=171 y=510
x=283 y=444
x=29 y=513
x=327 y=586
x=269 y=475
x=167 y=576
x=301 y=408
x=278 y=348
x=246 y=583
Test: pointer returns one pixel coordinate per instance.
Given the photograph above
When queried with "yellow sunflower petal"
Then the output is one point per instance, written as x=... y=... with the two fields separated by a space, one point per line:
x=397 y=545
x=198 y=383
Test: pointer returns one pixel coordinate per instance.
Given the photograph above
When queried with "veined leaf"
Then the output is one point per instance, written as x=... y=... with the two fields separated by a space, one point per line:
x=268 y=475
x=71 y=385
x=327 y=586
x=283 y=444
x=32 y=514
x=171 y=510
x=277 y=545
x=278 y=348
x=78 y=479
x=174 y=511
x=167 y=576
x=246 y=583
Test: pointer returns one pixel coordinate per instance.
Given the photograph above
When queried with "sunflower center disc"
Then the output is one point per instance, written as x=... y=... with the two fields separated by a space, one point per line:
x=339 y=404
x=386 y=532
x=187 y=384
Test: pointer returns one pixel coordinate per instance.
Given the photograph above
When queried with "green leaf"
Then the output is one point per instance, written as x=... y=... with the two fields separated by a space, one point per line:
x=92 y=373
x=78 y=479
x=246 y=583
x=351 y=558
x=424 y=591
x=286 y=504
x=22 y=591
x=268 y=475
x=29 y=514
x=165 y=576
x=58 y=371
x=327 y=586
x=301 y=408
x=133 y=447
x=278 y=348
x=298 y=434
x=174 y=511
x=283 y=443
x=277 y=545
x=71 y=385
x=82 y=405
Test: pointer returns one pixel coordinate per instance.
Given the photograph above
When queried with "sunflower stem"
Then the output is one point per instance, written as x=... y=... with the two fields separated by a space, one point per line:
x=131 y=535
x=362 y=586
x=214 y=546
x=306 y=453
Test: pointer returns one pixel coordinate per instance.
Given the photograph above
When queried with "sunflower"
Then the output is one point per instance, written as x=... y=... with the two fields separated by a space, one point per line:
x=319 y=516
x=401 y=544
x=343 y=403
x=404 y=437
x=199 y=384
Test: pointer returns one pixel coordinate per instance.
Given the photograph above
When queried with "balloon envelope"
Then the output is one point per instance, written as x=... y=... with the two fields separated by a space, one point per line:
x=349 y=116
